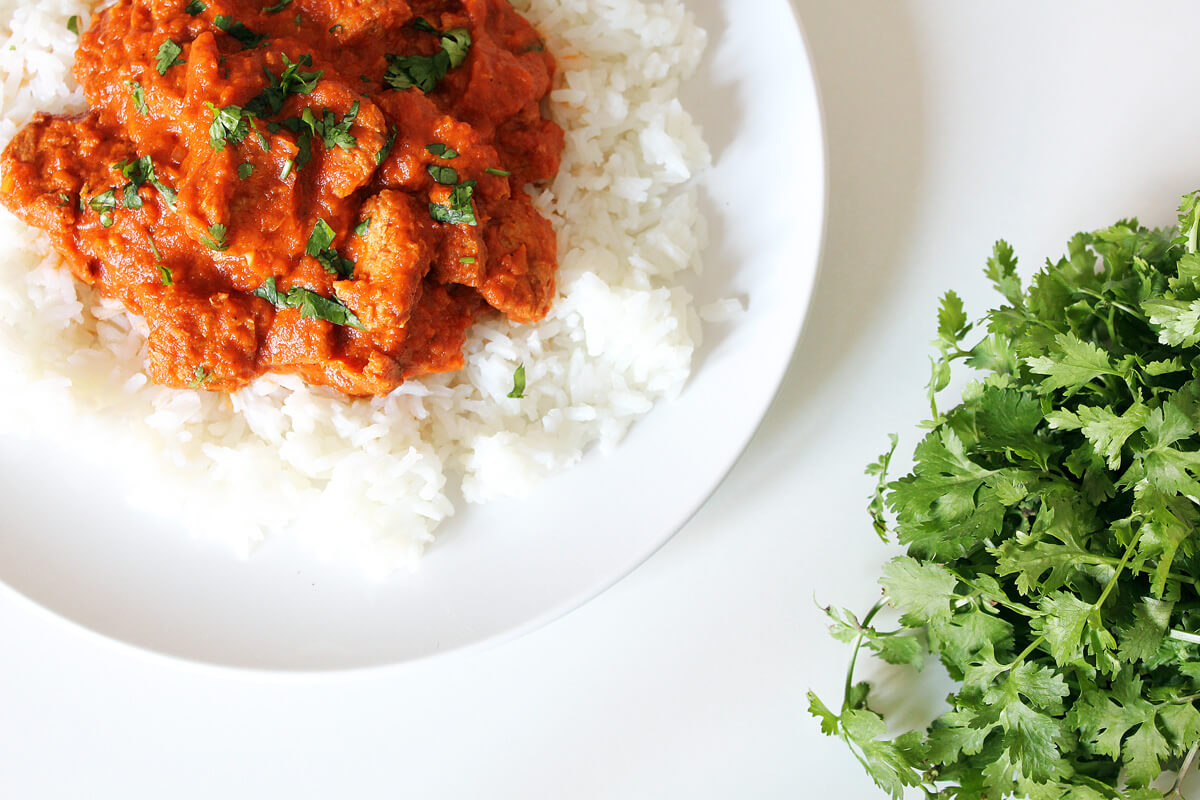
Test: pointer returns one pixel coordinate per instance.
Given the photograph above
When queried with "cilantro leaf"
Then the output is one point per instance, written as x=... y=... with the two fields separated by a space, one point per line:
x=217 y=238
x=310 y=304
x=459 y=211
x=246 y=37
x=230 y=124
x=425 y=72
x=518 y=390
x=167 y=56
x=139 y=96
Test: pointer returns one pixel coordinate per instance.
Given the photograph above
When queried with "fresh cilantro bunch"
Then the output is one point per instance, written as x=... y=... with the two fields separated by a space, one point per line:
x=1051 y=523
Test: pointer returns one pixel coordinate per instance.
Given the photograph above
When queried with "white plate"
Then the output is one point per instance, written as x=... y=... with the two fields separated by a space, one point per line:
x=507 y=567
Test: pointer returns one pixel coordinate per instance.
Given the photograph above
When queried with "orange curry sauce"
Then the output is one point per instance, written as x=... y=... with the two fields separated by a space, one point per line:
x=333 y=188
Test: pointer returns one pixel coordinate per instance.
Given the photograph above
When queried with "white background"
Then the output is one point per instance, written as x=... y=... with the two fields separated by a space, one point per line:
x=950 y=123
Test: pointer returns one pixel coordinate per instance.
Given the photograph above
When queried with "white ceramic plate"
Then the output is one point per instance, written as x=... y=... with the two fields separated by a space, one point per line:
x=507 y=567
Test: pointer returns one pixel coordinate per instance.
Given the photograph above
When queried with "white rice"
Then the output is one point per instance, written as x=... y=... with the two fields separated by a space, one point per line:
x=366 y=482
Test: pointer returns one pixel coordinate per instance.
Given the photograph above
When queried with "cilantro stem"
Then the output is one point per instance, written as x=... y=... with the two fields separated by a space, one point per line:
x=1026 y=652
x=1183 y=636
x=998 y=599
x=1112 y=583
x=866 y=621
x=1176 y=789
x=1093 y=558
x=1112 y=304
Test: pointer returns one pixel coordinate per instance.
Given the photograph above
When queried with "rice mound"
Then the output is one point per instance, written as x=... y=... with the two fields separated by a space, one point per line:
x=367 y=482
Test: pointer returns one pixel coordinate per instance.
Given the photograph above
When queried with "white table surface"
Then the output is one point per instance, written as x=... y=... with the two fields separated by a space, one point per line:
x=950 y=123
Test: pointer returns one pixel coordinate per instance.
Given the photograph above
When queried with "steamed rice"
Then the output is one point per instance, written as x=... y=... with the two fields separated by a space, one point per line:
x=367 y=482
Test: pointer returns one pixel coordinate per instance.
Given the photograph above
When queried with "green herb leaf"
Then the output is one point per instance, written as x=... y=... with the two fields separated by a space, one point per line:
x=459 y=211
x=202 y=376
x=320 y=239
x=167 y=56
x=277 y=7
x=447 y=176
x=361 y=228
x=216 y=239
x=382 y=155
x=165 y=272
x=196 y=7
x=246 y=37
x=293 y=80
x=518 y=390
x=230 y=124
x=425 y=72
x=73 y=24
x=245 y=170
x=442 y=151
x=503 y=173
x=310 y=304
x=139 y=96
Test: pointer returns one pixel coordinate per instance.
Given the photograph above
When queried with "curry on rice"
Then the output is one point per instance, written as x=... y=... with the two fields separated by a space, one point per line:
x=333 y=188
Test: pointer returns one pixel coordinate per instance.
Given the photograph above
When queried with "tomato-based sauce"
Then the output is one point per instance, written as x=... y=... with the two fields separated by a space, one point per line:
x=332 y=188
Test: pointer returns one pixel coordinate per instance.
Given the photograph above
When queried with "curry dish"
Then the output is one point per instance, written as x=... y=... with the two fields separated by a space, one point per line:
x=333 y=188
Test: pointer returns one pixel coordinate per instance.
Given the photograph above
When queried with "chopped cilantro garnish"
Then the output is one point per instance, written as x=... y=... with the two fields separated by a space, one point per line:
x=104 y=204
x=202 y=376
x=139 y=96
x=138 y=171
x=442 y=151
x=518 y=383
x=64 y=199
x=276 y=8
x=168 y=193
x=337 y=28
x=422 y=24
x=230 y=124
x=167 y=56
x=456 y=43
x=217 y=238
x=382 y=155
x=459 y=211
x=246 y=37
x=245 y=170
x=319 y=247
x=447 y=176
x=467 y=260
x=320 y=239
x=195 y=7
x=424 y=72
x=288 y=166
x=268 y=291
x=291 y=81
x=165 y=273
x=361 y=228
x=503 y=173
x=130 y=197
x=337 y=134
x=73 y=24
x=310 y=304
